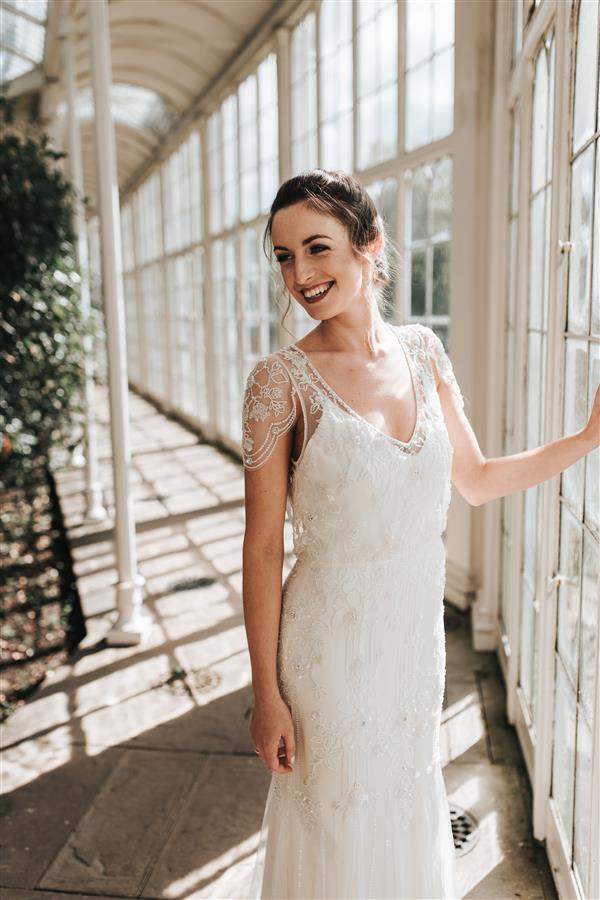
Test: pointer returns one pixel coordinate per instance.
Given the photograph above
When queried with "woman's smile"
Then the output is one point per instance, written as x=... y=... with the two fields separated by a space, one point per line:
x=312 y=295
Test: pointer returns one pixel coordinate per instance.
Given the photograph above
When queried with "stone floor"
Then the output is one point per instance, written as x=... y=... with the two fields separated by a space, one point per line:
x=130 y=773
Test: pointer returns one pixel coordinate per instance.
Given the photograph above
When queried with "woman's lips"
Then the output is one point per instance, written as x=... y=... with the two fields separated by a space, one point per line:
x=319 y=296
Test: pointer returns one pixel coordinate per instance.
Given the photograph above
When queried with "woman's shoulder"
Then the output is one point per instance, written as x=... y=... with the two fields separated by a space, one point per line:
x=270 y=367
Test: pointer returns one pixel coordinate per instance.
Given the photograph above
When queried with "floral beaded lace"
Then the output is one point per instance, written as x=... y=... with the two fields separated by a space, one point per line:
x=286 y=381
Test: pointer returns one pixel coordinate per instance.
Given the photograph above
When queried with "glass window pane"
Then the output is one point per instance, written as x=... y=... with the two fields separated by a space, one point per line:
x=377 y=82
x=441 y=279
x=419 y=31
x=418 y=107
x=443 y=94
x=417 y=283
x=534 y=388
x=420 y=203
x=429 y=79
x=575 y=417
x=589 y=625
x=563 y=770
x=583 y=802
x=303 y=89
x=582 y=175
x=443 y=32
x=441 y=196
x=539 y=125
x=429 y=204
x=595 y=326
x=586 y=65
x=592 y=460
x=569 y=593
x=536 y=259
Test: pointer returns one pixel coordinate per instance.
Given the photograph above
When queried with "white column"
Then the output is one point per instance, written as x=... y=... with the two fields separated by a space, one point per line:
x=95 y=510
x=133 y=620
x=211 y=338
x=470 y=314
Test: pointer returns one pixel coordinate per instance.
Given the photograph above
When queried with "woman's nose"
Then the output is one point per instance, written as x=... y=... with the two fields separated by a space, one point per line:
x=303 y=271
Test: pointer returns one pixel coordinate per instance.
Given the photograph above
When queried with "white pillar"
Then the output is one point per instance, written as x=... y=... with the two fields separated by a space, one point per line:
x=95 y=510
x=133 y=620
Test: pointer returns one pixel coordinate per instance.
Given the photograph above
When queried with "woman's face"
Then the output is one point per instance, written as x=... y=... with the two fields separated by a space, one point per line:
x=313 y=251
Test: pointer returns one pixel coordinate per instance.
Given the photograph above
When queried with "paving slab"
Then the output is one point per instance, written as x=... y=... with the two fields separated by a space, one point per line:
x=113 y=847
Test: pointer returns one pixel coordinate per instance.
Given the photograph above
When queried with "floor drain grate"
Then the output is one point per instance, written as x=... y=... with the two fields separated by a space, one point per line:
x=188 y=584
x=465 y=830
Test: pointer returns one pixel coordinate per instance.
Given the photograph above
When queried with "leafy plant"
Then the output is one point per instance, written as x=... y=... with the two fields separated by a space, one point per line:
x=42 y=328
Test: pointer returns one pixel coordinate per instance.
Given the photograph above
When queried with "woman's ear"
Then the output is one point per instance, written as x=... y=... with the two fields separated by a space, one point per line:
x=375 y=246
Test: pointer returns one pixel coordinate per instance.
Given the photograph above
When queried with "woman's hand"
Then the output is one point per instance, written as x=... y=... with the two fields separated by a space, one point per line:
x=592 y=429
x=272 y=733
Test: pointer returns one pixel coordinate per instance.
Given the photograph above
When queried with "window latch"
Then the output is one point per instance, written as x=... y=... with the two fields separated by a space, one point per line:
x=565 y=246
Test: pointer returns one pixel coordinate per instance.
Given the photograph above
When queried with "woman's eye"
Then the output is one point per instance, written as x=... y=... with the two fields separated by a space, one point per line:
x=316 y=247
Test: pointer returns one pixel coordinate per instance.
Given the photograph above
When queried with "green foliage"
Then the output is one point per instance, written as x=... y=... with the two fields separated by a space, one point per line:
x=41 y=325
x=36 y=204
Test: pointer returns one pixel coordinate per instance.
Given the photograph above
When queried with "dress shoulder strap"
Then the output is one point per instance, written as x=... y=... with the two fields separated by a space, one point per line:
x=432 y=353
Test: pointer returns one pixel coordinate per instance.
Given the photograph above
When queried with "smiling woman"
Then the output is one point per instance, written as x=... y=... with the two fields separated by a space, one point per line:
x=348 y=659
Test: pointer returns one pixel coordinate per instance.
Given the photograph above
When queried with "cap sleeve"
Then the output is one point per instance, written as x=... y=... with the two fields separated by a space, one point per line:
x=441 y=364
x=269 y=410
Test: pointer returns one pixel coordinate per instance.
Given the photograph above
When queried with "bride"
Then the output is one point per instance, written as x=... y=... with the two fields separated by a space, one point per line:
x=357 y=431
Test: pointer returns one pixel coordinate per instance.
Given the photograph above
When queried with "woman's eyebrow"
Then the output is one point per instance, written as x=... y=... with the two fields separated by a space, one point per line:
x=306 y=241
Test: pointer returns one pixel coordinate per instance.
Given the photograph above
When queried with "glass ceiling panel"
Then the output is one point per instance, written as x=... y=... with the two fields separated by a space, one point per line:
x=12 y=66
x=131 y=105
x=35 y=9
x=22 y=36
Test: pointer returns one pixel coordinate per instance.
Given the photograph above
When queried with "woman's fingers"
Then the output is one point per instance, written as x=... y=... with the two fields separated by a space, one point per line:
x=290 y=746
x=280 y=761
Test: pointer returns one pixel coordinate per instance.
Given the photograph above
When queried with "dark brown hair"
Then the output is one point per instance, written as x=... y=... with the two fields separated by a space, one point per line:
x=342 y=196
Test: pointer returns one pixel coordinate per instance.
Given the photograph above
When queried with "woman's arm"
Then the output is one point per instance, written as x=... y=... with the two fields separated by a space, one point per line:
x=262 y=565
x=480 y=480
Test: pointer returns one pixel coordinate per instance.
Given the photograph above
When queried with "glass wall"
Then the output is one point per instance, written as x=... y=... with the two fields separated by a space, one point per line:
x=548 y=616
x=577 y=614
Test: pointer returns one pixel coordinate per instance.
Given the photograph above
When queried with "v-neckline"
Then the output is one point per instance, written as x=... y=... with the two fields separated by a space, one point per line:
x=415 y=383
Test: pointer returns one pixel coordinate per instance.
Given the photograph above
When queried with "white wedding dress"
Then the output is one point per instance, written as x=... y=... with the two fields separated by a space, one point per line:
x=361 y=659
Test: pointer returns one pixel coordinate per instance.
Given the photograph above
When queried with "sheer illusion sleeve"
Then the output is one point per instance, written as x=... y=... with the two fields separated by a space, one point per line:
x=269 y=410
x=440 y=361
